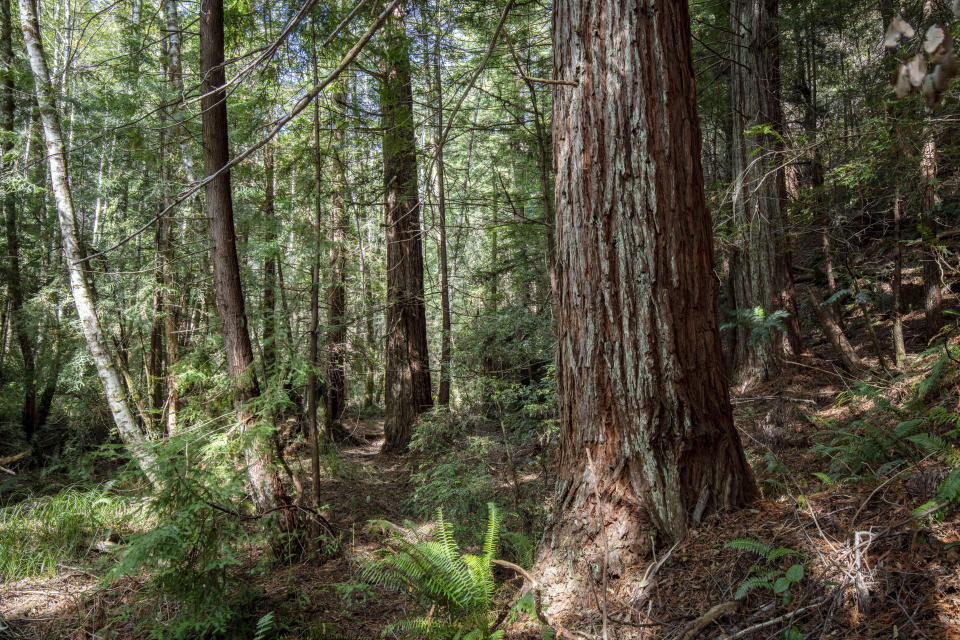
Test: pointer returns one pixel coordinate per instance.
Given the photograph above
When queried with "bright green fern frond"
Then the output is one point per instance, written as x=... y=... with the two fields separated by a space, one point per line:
x=949 y=489
x=492 y=536
x=748 y=544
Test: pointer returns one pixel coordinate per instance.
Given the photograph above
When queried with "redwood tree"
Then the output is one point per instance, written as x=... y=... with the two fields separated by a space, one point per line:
x=264 y=482
x=647 y=437
x=761 y=268
x=407 y=375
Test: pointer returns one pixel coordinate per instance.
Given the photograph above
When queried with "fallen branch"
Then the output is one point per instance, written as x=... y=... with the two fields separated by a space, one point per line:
x=715 y=612
x=773 y=621
x=17 y=458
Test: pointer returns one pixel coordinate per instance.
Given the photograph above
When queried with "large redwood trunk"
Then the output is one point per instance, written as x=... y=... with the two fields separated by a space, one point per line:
x=264 y=482
x=647 y=438
x=336 y=295
x=762 y=266
x=407 y=376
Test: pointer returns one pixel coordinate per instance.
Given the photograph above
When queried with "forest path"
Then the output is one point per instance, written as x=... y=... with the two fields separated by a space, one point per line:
x=360 y=483
x=357 y=484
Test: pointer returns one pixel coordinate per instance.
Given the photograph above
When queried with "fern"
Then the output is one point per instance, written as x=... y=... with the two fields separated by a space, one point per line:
x=265 y=626
x=765 y=574
x=460 y=587
x=748 y=544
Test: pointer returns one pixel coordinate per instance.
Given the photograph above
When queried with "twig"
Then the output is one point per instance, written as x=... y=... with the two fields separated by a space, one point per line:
x=17 y=458
x=716 y=611
x=5 y=470
x=773 y=621
x=569 y=83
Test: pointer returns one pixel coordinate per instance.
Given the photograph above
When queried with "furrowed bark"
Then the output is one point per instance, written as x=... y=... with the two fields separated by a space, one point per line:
x=265 y=485
x=407 y=376
x=641 y=382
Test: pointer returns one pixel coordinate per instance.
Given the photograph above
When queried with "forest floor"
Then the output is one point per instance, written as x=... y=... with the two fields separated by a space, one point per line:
x=872 y=569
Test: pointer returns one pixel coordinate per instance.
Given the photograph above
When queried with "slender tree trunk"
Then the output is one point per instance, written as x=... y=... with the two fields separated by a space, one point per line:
x=443 y=390
x=899 y=348
x=932 y=280
x=407 y=384
x=269 y=268
x=264 y=481
x=314 y=364
x=647 y=441
x=73 y=251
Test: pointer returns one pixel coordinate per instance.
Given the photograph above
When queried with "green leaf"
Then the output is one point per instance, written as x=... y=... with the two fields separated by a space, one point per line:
x=781 y=585
x=795 y=573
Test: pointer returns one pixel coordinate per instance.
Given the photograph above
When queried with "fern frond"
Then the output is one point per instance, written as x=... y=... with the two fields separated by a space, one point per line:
x=748 y=544
x=750 y=584
x=949 y=489
x=781 y=552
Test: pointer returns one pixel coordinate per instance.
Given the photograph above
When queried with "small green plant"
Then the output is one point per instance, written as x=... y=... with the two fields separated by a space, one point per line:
x=766 y=574
x=458 y=588
x=761 y=325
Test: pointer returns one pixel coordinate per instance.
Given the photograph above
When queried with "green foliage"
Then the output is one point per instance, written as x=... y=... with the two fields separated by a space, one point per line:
x=459 y=587
x=193 y=553
x=760 y=324
x=870 y=445
x=766 y=574
x=39 y=534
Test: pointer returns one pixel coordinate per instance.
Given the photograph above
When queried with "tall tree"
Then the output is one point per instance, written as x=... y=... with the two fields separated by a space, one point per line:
x=407 y=377
x=337 y=292
x=761 y=268
x=30 y=416
x=83 y=295
x=265 y=484
x=647 y=439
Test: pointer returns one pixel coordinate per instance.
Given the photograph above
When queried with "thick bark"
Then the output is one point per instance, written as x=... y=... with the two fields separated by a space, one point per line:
x=73 y=250
x=407 y=376
x=641 y=383
x=762 y=269
x=264 y=481
x=336 y=293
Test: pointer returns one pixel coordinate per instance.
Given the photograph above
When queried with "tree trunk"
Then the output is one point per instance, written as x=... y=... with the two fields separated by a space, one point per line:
x=269 y=269
x=264 y=481
x=640 y=372
x=443 y=390
x=932 y=280
x=851 y=361
x=73 y=252
x=336 y=294
x=899 y=347
x=18 y=321
x=407 y=376
x=762 y=276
